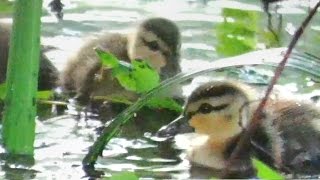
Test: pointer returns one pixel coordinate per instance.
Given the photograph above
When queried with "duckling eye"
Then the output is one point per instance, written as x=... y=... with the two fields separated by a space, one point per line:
x=207 y=108
x=153 y=45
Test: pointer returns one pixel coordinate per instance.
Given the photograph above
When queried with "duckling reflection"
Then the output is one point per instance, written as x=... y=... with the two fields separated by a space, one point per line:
x=48 y=74
x=220 y=111
x=156 y=40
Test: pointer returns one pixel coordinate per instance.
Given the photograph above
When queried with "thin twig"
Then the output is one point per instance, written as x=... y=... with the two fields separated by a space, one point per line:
x=257 y=116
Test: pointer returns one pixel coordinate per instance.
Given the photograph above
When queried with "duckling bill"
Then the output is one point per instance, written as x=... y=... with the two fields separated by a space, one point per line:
x=156 y=40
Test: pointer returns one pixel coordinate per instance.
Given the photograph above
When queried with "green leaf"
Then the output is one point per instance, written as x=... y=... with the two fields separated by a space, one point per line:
x=3 y=91
x=166 y=103
x=125 y=78
x=107 y=59
x=235 y=28
x=238 y=33
x=124 y=175
x=145 y=76
x=44 y=95
x=265 y=172
x=247 y=17
x=139 y=77
x=233 y=46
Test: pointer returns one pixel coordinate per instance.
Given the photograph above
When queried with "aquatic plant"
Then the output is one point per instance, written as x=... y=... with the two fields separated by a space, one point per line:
x=20 y=112
x=137 y=76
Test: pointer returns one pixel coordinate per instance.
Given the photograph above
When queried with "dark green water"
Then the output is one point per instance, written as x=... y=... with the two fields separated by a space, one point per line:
x=62 y=141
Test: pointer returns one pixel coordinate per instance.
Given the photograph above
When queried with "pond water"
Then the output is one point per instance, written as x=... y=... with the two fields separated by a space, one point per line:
x=62 y=141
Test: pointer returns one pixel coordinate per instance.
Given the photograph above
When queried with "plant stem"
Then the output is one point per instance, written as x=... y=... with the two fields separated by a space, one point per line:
x=22 y=77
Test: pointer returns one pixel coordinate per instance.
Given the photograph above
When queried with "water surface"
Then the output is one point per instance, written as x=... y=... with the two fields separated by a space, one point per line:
x=62 y=141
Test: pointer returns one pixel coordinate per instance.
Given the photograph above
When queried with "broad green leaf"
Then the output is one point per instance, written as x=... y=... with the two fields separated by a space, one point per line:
x=235 y=28
x=166 y=103
x=124 y=175
x=125 y=78
x=145 y=76
x=44 y=95
x=233 y=46
x=138 y=76
x=265 y=172
x=3 y=90
x=107 y=59
x=247 y=17
x=238 y=33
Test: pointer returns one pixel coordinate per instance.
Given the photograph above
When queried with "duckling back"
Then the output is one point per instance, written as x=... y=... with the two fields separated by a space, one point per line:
x=293 y=136
x=79 y=74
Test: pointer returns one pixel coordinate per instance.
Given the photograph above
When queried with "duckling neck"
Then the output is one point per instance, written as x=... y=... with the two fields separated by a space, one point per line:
x=213 y=153
x=217 y=144
x=224 y=146
x=245 y=152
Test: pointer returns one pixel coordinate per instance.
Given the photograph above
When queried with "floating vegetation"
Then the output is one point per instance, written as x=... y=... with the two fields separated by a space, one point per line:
x=137 y=76
x=237 y=34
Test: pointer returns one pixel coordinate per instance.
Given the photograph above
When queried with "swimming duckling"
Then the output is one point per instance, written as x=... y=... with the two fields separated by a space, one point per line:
x=48 y=74
x=217 y=111
x=222 y=110
x=156 y=40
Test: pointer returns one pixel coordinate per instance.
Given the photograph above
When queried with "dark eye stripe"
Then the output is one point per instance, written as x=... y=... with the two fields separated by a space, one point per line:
x=153 y=45
x=207 y=108
x=218 y=108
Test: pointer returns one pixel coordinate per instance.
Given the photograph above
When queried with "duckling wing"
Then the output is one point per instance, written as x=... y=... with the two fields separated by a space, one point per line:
x=298 y=134
x=301 y=148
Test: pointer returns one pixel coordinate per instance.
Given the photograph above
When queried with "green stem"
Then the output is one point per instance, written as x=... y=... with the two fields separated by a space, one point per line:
x=22 y=77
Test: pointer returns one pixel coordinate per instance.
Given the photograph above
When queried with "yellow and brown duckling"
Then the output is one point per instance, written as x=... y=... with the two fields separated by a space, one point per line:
x=220 y=111
x=156 y=40
x=48 y=74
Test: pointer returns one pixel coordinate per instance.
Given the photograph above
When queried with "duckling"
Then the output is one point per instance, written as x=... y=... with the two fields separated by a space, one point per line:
x=156 y=40
x=48 y=74
x=291 y=135
x=220 y=112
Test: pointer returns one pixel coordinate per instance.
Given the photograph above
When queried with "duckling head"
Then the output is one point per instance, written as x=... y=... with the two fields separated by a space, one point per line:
x=218 y=109
x=157 y=40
